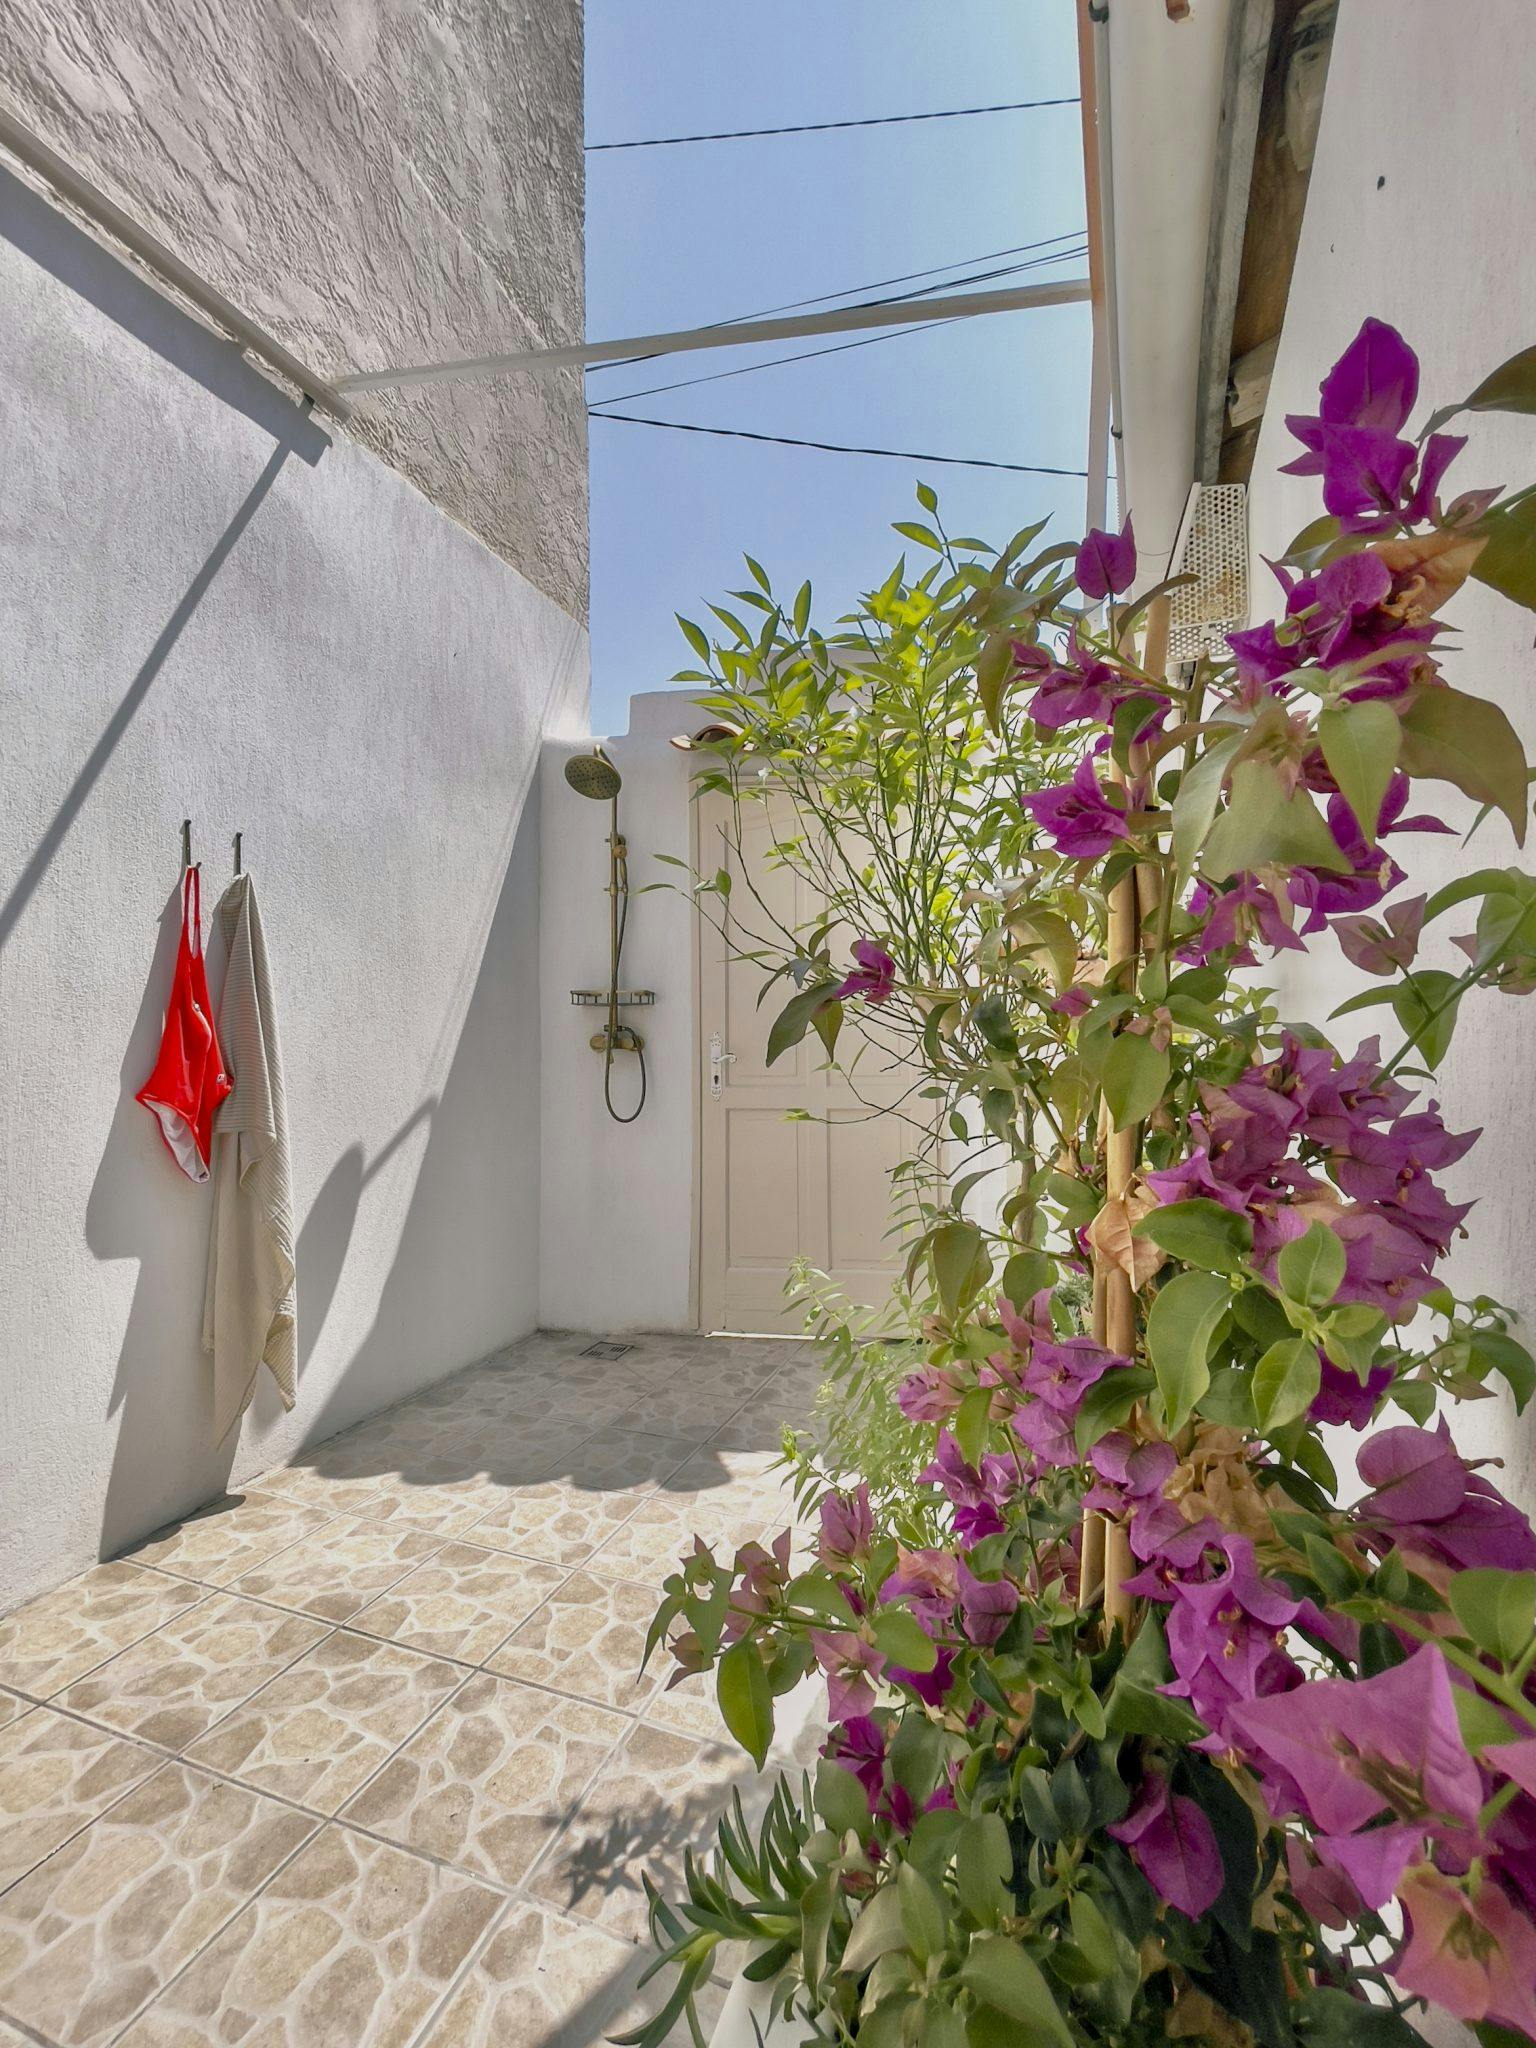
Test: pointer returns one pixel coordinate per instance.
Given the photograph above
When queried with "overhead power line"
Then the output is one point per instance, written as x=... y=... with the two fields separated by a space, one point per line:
x=822 y=127
x=879 y=284
x=837 y=348
x=836 y=447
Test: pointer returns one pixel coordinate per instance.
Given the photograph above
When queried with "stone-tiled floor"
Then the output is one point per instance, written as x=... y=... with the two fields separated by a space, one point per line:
x=361 y=1757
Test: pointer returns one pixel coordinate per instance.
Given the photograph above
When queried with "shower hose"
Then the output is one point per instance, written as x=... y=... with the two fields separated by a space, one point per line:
x=621 y=916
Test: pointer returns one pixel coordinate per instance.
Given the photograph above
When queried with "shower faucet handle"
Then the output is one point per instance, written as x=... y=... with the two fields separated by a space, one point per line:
x=719 y=1059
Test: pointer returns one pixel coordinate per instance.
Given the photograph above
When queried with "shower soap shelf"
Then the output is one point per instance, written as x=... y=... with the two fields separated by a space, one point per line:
x=626 y=998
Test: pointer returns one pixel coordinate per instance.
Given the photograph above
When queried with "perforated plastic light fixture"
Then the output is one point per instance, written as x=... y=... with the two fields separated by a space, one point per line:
x=1213 y=546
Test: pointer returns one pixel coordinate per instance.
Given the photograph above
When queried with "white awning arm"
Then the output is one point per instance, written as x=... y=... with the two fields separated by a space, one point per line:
x=961 y=306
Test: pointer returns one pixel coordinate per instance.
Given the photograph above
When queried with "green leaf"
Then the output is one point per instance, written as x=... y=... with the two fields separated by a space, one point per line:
x=1200 y=1233
x=983 y=1866
x=957 y=1251
x=1494 y=1351
x=1180 y=1331
x=1311 y=1268
x=1360 y=743
x=928 y=497
x=1195 y=805
x=839 y=1799
x=1001 y=1975
x=1134 y=1078
x=1024 y=1275
x=1466 y=741
x=876 y=1932
x=900 y=1638
x=1108 y=1402
x=802 y=608
x=1094 y=1936
x=1426 y=1005
x=1285 y=1383
x=922 y=1913
x=794 y=1020
x=1497 y=1609
x=972 y=1420
x=741 y=1686
x=1264 y=825
x=913 y=529
x=1130 y=716
x=697 y=639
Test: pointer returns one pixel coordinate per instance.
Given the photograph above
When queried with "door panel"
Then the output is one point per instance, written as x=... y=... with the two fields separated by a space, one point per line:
x=774 y=1189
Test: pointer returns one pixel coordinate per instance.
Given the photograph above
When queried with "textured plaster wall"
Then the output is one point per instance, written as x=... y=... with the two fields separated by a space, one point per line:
x=1422 y=227
x=373 y=181
x=208 y=607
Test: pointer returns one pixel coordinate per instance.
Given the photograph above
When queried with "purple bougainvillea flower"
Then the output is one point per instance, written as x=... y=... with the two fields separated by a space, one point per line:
x=1382 y=947
x=986 y=1606
x=1224 y=1639
x=1047 y=1432
x=1516 y=1760
x=1374 y=1860
x=1033 y=1324
x=1174 y=1847
x=1440 y=451
x=1375 y=383
x=851 y=1665
x=874 y=978
x=847 y=1526
x=1080 y=685
x=859 y=1746
x=1328 y=1895
x=1426 y=1500
x=930 y=1686
x=1061 y=1372
x=1474 y=1953
x=929 y=1582
x=1345 y=1401
x=1106 y=562
x=1078 y=816
x=928 y=1395
x=977 y=1495
x=1247 y=911
x=1341 y=1751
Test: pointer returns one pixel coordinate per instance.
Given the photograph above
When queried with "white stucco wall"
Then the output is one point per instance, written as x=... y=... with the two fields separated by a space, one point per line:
x=207 y=607
x=1418 y=221
x=618 y=1221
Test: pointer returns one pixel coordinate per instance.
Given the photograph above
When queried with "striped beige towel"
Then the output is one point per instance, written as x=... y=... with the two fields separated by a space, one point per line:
x=248 y=1304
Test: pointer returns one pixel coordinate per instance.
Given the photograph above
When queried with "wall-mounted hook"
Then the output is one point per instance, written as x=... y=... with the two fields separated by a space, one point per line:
x=186 y=844
x=238 y=837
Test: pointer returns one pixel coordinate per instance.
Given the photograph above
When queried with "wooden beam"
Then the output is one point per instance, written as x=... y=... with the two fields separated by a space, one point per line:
x=1250 y=26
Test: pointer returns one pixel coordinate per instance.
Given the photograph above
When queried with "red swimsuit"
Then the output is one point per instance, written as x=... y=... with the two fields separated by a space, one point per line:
x=189 y=1081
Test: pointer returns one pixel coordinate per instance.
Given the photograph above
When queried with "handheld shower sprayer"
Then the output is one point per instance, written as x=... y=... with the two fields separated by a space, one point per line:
x=594 y=775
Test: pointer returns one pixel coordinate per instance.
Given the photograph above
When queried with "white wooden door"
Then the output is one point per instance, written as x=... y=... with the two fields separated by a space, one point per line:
x=774 y=1189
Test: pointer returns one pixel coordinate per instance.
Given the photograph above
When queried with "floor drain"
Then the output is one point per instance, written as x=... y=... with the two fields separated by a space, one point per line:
x=605 y=1349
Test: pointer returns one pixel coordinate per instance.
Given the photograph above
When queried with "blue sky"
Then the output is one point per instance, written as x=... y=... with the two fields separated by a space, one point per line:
x=681 y=237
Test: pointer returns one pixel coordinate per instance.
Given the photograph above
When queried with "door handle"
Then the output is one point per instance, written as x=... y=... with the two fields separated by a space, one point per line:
x=719 y=1058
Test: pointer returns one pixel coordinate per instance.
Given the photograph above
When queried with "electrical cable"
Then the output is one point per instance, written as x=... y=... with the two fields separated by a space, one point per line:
x=879 y=284
x=835 y=447
x=837 y=348
x=822 y=127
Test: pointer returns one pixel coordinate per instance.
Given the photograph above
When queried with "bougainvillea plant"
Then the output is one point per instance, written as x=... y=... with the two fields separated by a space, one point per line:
x=1191 y=1693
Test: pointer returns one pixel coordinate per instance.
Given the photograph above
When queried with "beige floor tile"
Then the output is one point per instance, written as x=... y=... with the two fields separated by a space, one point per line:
x=489 y=1779
x=341 y=1567
x=687 y=1708
x=444 y=1507
x=587 y=1639
x=334 y=1493
x=462 y=1603
x=172 y=1686
x=12 y=1707
x=647 y=1547
x=350 y=1946
x=221 y=1541
x=618 y=1459
x=694 y=1405
x=55 y=1775
x=760 y=1424
x=53 y=1640
x=544 y=1982
x=655 y=1798
x=317 y=1733
x=555 y=1521
x=92 y=1933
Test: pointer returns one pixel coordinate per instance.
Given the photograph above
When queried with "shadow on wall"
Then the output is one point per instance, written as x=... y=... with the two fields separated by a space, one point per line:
x=31 y=225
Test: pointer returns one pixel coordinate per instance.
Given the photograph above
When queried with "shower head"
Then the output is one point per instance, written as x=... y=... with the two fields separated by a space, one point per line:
x=594 y=775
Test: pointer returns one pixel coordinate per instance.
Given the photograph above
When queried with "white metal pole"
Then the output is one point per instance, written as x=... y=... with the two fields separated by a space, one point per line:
x=961 y=306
